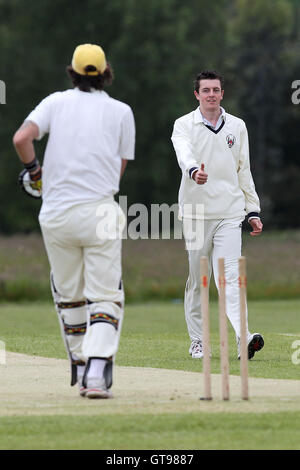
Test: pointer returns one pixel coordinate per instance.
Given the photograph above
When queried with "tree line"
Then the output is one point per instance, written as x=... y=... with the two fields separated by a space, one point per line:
x=156 y=49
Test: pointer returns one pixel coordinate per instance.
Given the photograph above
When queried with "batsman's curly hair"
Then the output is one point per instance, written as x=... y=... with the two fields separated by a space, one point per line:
x=86 y=82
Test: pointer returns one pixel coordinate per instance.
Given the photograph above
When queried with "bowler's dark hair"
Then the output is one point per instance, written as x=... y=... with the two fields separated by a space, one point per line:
x=86 y=82
x=208 y=75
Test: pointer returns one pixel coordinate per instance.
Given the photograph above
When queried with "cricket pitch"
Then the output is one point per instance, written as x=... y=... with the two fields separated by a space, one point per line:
x=32 y=385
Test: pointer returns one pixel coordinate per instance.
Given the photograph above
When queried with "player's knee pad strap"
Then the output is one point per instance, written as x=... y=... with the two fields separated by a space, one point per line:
x=113 y=310
x=104 y=318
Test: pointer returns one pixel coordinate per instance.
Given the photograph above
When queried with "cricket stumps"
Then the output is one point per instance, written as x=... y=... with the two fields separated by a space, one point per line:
x=223 y=329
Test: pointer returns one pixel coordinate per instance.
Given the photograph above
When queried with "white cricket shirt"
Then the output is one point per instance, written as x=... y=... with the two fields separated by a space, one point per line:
x=229 y=191
x=89 y=134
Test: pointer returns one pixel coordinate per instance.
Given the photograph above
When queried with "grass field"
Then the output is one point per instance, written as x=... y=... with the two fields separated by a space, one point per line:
x=157 y=269
x=154 y=335
x=203 y=431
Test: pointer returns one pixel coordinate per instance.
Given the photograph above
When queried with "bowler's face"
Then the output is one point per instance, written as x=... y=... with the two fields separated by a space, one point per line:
x=210 y=94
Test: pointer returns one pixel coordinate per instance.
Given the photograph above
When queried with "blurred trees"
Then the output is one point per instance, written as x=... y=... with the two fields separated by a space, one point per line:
x=261 y=39
x=156 y=48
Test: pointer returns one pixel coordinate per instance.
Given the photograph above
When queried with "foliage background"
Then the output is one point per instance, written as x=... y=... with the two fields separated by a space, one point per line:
x=156 y=48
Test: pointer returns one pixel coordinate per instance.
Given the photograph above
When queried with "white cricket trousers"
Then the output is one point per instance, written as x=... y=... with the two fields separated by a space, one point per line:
x=216 y=239
x=83 y=245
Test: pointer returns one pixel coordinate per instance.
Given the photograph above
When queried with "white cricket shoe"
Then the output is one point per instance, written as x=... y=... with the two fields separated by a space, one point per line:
x=82 y=389
x=96 y=388
x=255 y=344
x=196 y=349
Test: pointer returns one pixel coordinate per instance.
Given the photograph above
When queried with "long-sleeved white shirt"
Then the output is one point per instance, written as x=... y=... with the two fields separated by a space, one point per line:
x=229 y=191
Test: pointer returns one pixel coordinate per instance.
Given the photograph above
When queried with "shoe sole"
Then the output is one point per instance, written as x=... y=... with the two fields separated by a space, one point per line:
x=198 y=357
x=97 y=393
x=255 y=345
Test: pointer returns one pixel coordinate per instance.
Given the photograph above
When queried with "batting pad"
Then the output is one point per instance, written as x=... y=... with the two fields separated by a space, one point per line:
x=74 y=327
x=72 y=319
x=103 y=329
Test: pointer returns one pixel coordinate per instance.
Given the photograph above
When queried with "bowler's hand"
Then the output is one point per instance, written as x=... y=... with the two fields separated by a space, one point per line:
x=200 y=177
x=257 y=227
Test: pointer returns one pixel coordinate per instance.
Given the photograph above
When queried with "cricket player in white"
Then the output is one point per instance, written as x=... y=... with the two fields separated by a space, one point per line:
x=91 y=138
x=216 y=193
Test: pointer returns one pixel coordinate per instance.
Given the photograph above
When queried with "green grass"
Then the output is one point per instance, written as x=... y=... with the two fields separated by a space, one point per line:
x=154 y=335
x=182 y=431
x=156 y=269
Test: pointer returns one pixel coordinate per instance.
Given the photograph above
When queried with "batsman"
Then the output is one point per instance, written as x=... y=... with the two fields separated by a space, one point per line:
x=216 y=194
x=91 y=137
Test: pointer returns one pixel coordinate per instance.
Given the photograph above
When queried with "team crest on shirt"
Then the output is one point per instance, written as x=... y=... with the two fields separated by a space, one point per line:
x=230 y=139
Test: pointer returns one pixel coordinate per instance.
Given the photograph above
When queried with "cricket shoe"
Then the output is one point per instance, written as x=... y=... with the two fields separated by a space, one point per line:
x=255 y=344
x=80 y=373
x=82 y=389
x=96 y=388
x=196 y=349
